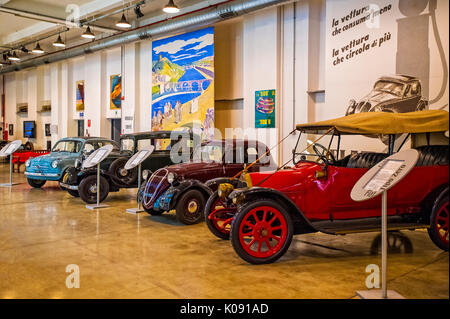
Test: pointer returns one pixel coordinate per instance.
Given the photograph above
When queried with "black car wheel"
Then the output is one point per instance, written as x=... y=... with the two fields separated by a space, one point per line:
x=261 y=232
x=438 y=230
x=120 y=174
x=36 y=183
x=190 y=207
x=88 y=189
x=218 y=216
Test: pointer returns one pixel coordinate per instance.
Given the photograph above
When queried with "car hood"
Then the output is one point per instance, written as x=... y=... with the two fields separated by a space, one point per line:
x=185 y=170
x=49 y=158
x=287 y=179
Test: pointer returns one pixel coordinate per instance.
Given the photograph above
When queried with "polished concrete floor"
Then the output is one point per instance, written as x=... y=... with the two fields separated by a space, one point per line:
x=139 y=256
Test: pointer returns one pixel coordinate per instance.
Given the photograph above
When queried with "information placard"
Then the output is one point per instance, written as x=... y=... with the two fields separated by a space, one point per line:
x=139 y=157
x=10 y=148
x=97 y=156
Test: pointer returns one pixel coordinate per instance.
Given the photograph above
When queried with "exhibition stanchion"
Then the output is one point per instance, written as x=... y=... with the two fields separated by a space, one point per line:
x=378 y=180
x=137 y=160
x=94 y=160
x=6 y=151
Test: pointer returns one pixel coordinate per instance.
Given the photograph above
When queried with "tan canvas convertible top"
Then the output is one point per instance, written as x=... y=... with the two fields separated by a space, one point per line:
x=373 y=123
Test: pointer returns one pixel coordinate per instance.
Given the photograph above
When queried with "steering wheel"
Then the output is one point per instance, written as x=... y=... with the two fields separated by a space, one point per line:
x=323 y=152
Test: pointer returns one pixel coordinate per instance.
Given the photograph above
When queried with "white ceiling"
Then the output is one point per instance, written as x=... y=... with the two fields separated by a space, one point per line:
x=15 y=30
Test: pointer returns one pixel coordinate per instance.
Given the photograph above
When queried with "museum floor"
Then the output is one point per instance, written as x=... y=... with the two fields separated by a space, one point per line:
x=138 y=256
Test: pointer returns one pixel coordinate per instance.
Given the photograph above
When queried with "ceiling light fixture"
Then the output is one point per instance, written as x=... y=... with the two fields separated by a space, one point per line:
x=38 y=49
x=88 y=34
x=123 y=23
x=171 y=8
x=59 y=42
x=138 y=12
x=13 y=57
x=23 y=49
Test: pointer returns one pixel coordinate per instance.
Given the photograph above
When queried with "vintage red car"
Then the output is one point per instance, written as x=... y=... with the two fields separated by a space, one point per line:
x=314 y=195
x=183 y=186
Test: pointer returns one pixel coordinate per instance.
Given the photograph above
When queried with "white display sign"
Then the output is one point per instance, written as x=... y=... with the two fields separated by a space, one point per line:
x=139 y=157
x=384 y=173
x=97 y=156
x=10 y=148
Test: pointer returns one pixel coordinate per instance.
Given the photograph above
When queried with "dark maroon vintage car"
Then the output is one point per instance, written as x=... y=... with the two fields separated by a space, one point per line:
x=183 y=186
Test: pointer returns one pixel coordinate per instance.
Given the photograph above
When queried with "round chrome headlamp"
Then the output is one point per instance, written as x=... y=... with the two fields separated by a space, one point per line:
x=146 y=173
x=171 y=178
x=28 y=163
x=55 y=164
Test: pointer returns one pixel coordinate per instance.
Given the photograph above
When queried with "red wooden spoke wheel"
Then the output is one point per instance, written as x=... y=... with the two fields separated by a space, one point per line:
x=441 y=222
x=438 y=230
x=218 y=216
x=262 y=232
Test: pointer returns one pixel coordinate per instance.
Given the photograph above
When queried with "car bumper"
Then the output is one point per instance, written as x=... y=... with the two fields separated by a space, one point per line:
x=53 y=176
x=67 y=186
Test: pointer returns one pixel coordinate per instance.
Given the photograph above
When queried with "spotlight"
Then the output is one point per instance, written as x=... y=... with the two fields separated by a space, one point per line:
x=23 y=49
x=38 y=49
x=59 y=42
x=13 y=57
x=171 y=7
x=88 y=34
x=123 y=23
x=138 y=12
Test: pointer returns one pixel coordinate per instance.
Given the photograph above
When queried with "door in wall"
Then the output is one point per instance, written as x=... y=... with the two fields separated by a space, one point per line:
x=116 y=126
x=80 y=125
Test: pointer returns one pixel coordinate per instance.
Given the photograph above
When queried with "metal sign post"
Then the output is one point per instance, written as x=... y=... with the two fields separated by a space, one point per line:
x=95 y=159
x=378 y=180
x=8 y=150
x=136 y=160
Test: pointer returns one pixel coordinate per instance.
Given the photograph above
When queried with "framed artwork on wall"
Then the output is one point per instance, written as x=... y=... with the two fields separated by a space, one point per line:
x=115 y=92
x=47 y=130
x=265 y=109
x=79 y=87
x=11 y=129
x=183 y=82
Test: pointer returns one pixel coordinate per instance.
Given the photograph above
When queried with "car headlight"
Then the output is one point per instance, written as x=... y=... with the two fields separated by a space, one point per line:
x=28 y=163
x=146 y=173
x=171 y=178
x=55 y=164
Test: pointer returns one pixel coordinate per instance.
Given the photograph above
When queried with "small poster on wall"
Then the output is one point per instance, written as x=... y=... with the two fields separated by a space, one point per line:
x=80 y=95
x=115 y=92
x=265 y=109
x=47 y=130
x=11 y=129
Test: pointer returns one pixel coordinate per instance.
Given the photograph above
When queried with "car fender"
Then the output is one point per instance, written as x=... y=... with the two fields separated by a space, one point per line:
x=444 y=193
x=182 y=187
x=301 y=224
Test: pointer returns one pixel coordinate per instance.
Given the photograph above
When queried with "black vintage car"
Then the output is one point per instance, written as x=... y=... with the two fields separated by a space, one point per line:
x=116 y=176
x=397 y=93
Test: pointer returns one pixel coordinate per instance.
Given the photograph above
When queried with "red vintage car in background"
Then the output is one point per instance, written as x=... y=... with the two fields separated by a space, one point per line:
x=314 y=195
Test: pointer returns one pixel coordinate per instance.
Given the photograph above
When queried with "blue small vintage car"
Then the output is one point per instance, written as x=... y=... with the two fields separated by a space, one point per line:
x=66 y=153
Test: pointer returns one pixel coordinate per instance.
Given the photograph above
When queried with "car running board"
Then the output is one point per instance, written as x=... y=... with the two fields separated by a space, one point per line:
x=365 y=225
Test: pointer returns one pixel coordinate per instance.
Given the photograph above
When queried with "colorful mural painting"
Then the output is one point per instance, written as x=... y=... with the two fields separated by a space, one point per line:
x=79 y=88
x=265 y=109
x=115 y=92
x=183 y=82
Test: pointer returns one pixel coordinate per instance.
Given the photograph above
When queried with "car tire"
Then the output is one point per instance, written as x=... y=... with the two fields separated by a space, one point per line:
x=438 y=230
x=87 y=191
x=36 y=183
x=218 y=226
x=122 y=176
x=190 y=207
x=74 y=193
x=273 y=222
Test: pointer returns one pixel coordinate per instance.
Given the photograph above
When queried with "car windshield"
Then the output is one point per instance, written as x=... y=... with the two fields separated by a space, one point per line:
x=67 y=146
x=208 y=153
x=389 y=87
